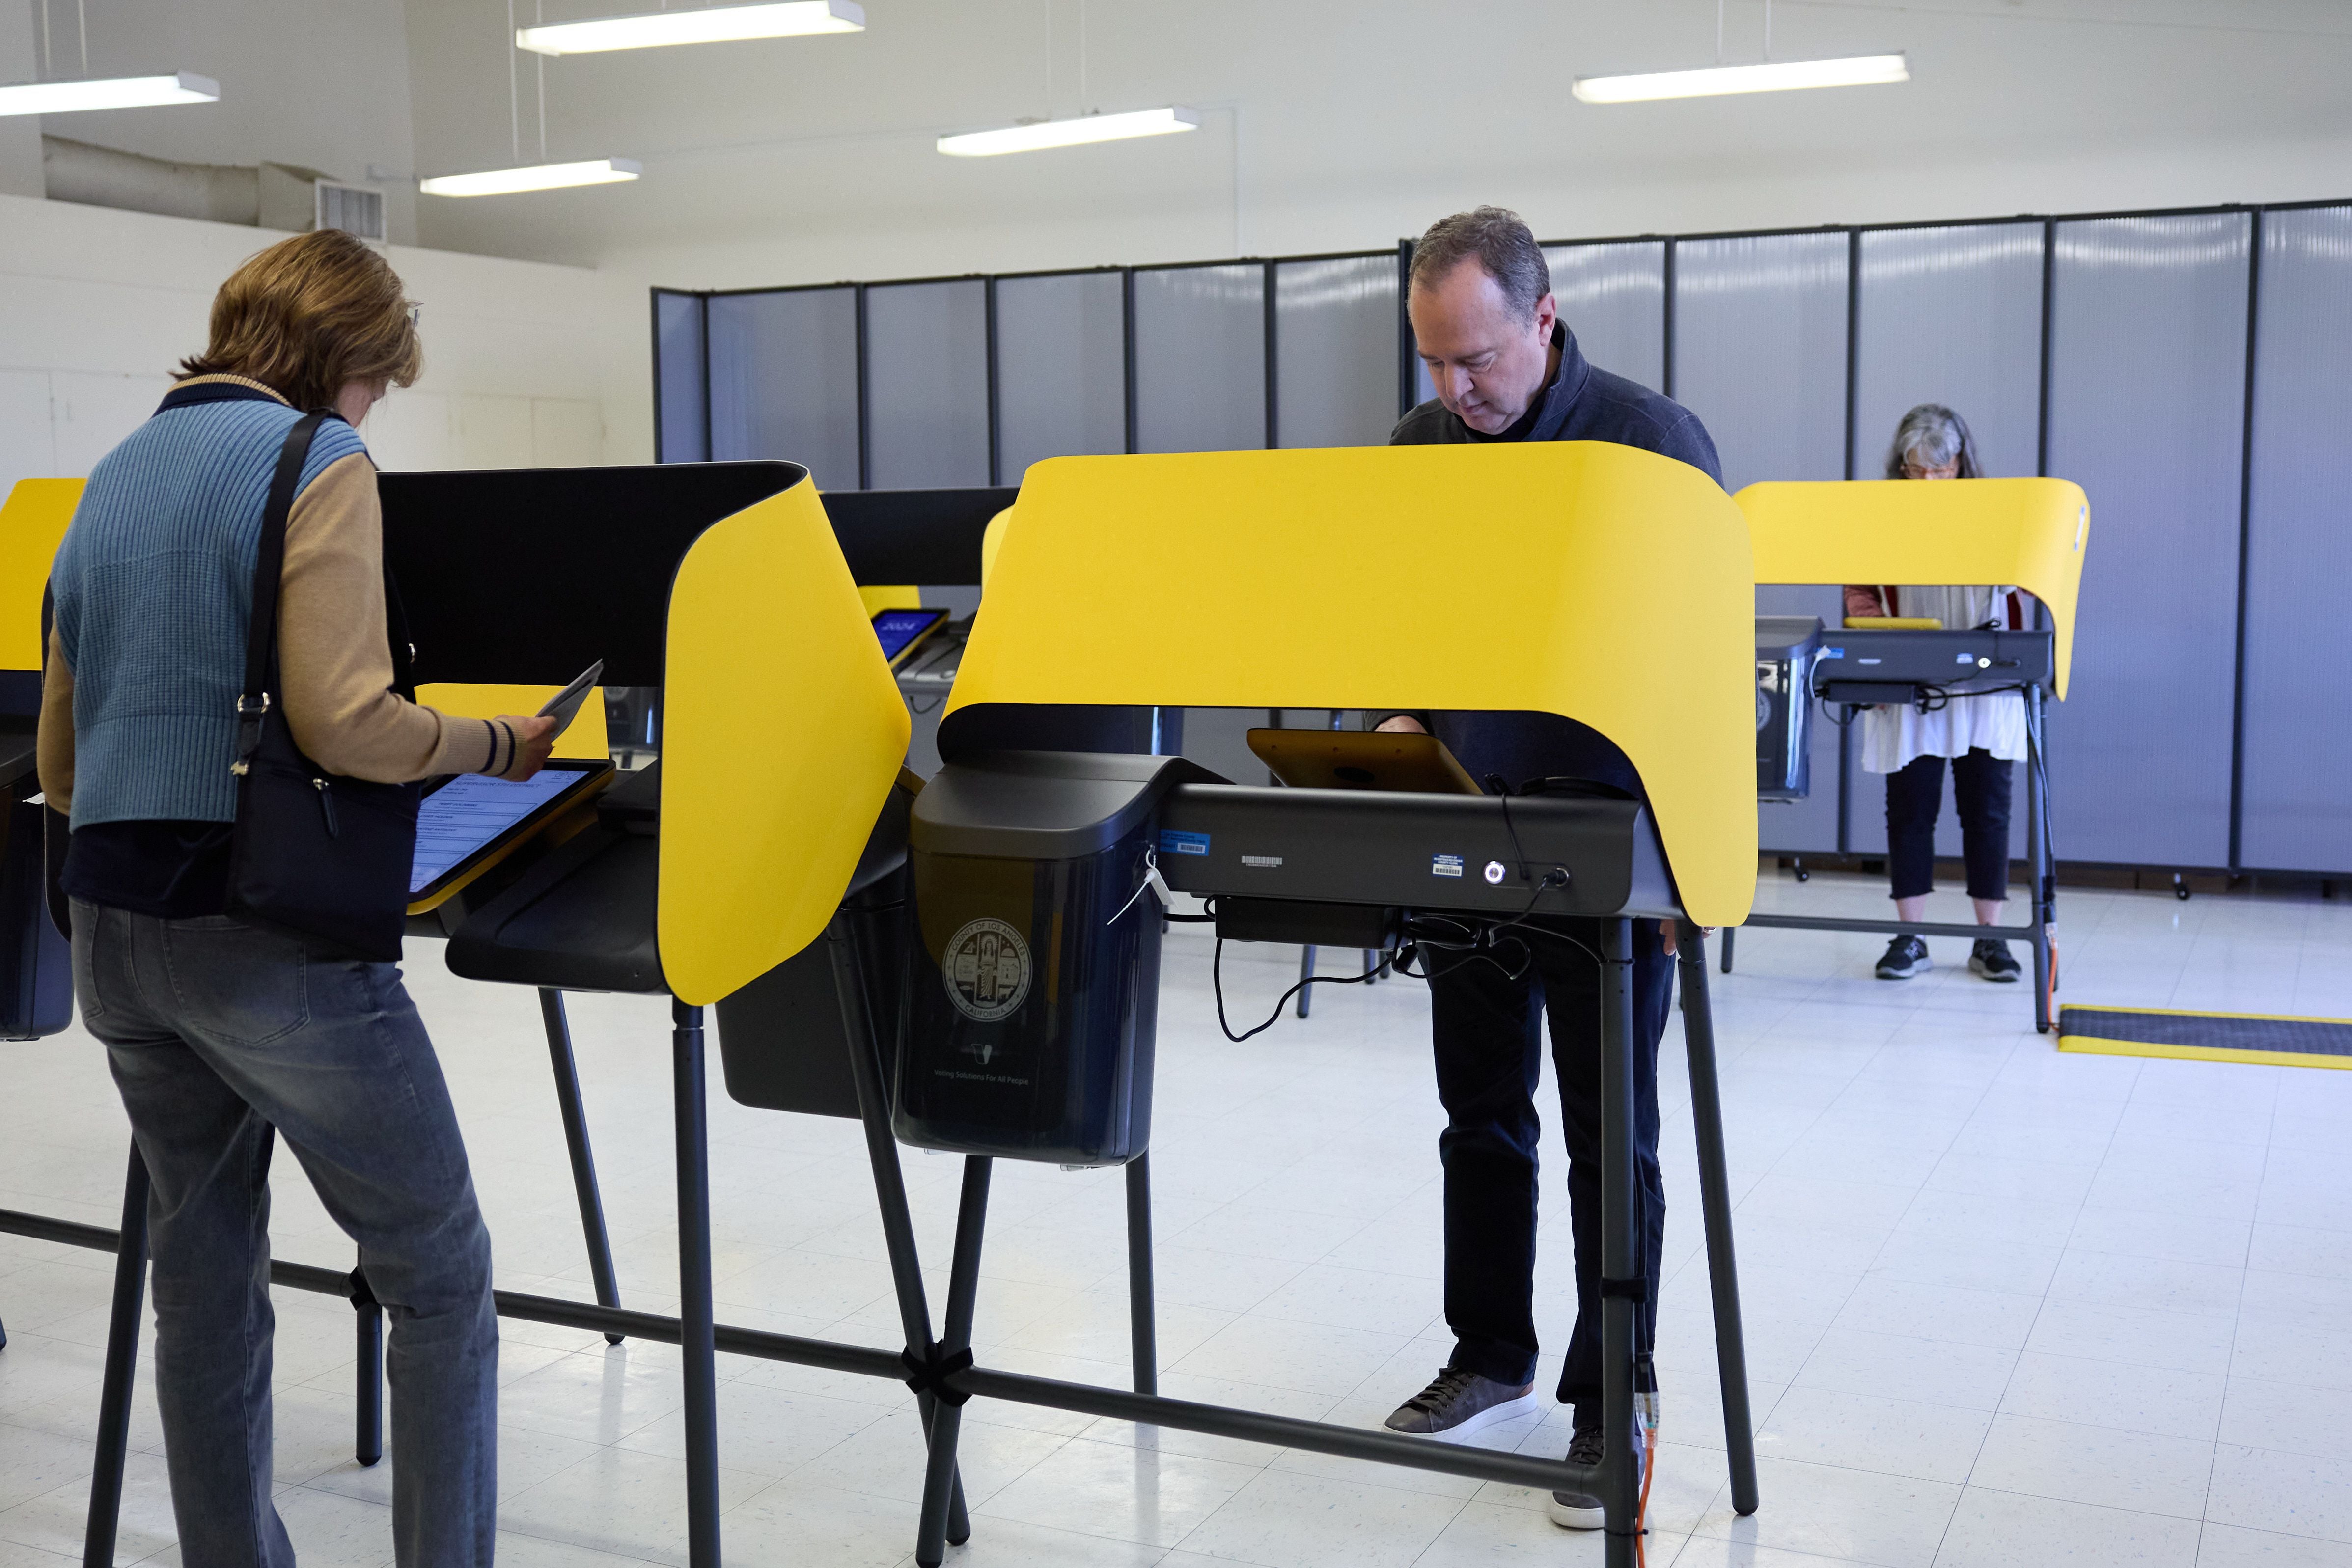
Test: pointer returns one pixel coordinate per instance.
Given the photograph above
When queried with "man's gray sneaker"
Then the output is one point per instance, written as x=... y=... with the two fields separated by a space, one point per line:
x=1992 y=959
x=1904 y=956
x=1584 y=1510
x=1458 y=1402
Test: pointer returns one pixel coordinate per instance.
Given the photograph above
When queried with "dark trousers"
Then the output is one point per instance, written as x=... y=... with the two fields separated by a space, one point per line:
x=1915 y=796
x=1488 y=1035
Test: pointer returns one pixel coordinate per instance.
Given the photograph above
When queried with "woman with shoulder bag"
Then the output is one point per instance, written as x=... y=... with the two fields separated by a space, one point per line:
x=238 y=786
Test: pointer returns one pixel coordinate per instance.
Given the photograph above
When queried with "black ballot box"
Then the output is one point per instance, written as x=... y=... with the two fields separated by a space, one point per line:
x=1786 y=647
x=1034 y=956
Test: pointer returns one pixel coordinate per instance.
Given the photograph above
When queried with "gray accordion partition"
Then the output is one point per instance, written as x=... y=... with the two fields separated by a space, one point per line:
x=2192 y=370
x=926 y=364
x=2147 y=372
x=2297 y=712
x=1760 y=355
x=1061 y=368
x=1200 y=357
x=783 y=368
x=1913 y=288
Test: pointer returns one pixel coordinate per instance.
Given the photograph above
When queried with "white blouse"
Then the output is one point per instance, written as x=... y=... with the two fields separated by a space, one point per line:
x=1893 y=736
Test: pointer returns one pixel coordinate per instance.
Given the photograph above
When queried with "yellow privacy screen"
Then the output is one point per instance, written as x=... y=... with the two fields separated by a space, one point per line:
x=2023 y=533
x=782 y=729
x=31 y=523
x=1578 y=578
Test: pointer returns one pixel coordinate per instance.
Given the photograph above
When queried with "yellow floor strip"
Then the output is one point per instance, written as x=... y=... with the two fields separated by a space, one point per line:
x=2181 y=1034
x=2091 y=1045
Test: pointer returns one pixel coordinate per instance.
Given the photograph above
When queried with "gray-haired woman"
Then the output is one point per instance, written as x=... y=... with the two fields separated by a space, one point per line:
x=1980 y=736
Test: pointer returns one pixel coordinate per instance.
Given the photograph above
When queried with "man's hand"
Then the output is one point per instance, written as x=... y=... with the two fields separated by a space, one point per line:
x=535 y=739
x=1666 y=934
x=1402 y=723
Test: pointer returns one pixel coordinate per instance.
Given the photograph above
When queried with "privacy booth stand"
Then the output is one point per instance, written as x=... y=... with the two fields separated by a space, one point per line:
x=724 y=585
x=2025 y=533
x=1588 y=580
x=781 y=738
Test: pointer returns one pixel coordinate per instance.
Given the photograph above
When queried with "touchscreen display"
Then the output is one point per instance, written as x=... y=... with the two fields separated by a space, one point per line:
x=899 y=628
x=470 y=811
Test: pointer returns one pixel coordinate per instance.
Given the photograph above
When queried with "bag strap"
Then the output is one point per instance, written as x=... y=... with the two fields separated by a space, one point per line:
x=268 y=567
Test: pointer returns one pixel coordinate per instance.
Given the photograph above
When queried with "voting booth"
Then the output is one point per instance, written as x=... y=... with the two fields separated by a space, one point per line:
x=36 y=958
x=1028 y=861
x=2029 y=533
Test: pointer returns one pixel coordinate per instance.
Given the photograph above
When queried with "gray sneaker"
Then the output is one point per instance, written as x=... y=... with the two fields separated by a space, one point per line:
x=1458 y=1402
x=1584 y=1510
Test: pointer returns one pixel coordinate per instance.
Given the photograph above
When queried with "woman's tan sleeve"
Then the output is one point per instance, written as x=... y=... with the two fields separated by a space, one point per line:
x=54 y=745
x=333 y=650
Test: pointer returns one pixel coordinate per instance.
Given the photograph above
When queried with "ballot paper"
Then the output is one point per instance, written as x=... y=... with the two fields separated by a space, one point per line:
x=564 y=705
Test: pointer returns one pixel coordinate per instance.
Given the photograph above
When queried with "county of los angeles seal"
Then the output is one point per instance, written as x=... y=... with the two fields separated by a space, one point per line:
x=986 y=967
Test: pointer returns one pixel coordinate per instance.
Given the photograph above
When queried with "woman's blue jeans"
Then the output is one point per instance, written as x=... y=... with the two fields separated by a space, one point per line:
x=223 y=1036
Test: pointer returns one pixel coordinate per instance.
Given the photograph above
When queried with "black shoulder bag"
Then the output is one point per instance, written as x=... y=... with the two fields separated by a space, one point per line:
x=314 y=853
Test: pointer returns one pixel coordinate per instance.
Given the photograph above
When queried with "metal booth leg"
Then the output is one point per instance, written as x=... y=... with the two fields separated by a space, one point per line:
x=1728 y=932
x=121 y=1364
x=1143 y=1319
x=367 y=1316
x=1619 y=1262
x=849 y=952
x=955 y=1345
x=2037 y=860
x=583 y=1159
x=1715 y=1207
x=1306 y=973
x=694 y=1306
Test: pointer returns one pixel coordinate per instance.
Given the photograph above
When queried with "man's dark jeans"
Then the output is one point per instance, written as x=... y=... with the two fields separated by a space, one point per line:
x=224 y=1038
x=1488 y=1043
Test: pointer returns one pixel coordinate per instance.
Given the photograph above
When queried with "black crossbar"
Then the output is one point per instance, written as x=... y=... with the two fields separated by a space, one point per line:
x=1889 y=927
x=986 y=1382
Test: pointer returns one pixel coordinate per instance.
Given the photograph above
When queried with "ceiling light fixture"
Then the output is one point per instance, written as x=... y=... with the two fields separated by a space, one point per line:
x=535 y=177
x=114 y=92
x=1040 y=134
x=713 y=25
x=1778 y=76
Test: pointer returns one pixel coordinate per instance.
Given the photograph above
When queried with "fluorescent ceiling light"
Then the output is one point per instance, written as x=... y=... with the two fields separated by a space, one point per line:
x=712 y=24
x=1779 y=76
x=536 y=177
x=115 y=92
x=1075 y=133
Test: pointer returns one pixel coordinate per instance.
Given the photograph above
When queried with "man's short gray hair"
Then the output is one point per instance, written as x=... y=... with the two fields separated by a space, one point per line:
x=1935 y=435
x=1503 y=246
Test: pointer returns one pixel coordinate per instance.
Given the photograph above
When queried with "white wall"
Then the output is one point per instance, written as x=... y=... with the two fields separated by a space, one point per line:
x=96 y=306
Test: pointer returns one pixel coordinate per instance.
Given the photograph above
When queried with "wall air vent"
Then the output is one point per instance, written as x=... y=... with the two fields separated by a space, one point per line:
x=354 y=209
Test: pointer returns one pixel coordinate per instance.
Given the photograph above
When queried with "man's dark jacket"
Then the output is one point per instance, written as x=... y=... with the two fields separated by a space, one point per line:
x=1582 y=403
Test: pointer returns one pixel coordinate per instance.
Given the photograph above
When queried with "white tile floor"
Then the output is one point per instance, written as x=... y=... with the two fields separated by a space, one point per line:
x=2003 y=1305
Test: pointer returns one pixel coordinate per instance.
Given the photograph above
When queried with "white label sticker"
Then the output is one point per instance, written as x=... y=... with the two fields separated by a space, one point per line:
x=986 y=969
x=1445 y=865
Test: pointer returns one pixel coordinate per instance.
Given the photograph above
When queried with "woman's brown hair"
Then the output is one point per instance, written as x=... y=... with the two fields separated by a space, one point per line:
x=308 y=315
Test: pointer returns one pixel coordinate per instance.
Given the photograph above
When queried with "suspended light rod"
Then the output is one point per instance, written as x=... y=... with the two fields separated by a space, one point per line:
x=111 y=92
x=1716 y=81
x=712 y=25
x=1088 y=128
x=534 y=177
